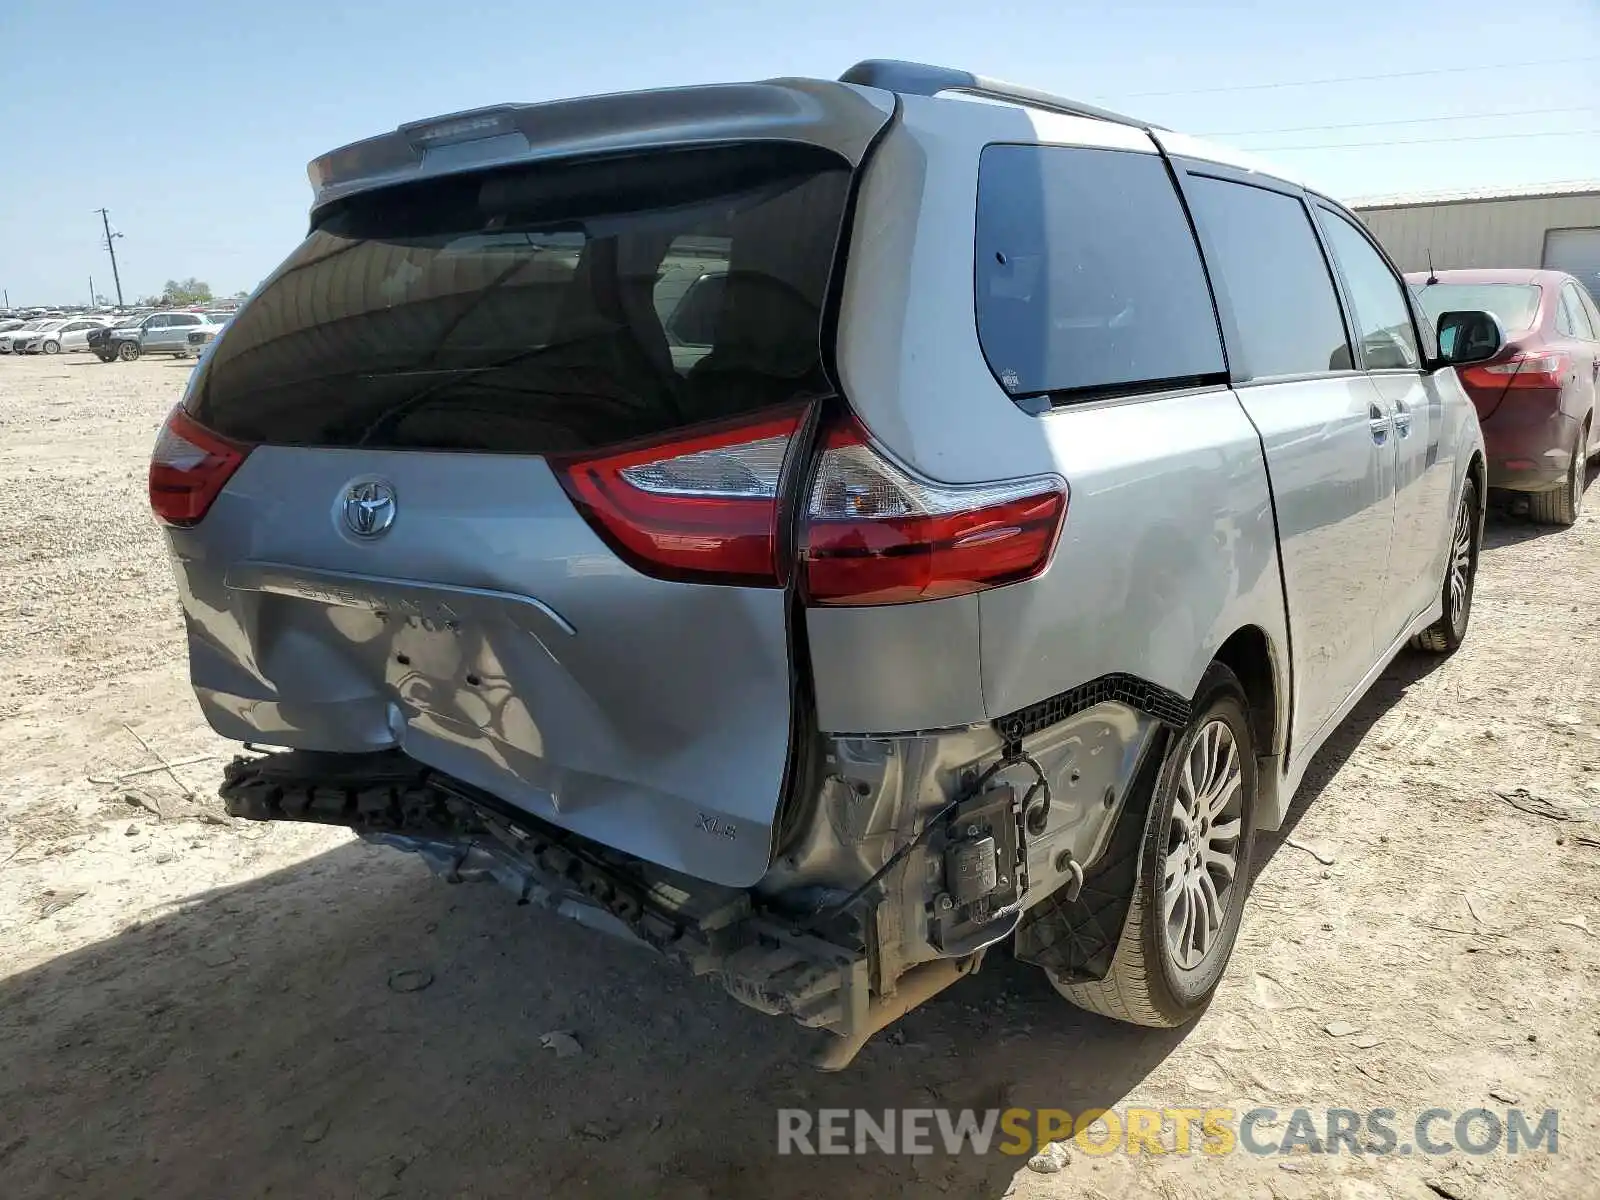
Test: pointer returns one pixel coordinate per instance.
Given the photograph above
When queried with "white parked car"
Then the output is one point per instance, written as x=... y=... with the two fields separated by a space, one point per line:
x=57 y=336
x=22 y=333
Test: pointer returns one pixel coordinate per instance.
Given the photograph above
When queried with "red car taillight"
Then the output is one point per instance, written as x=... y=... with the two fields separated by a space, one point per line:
x=707 y=508
x=701 y=508
x=1525 y=369
x=189 y=467
x=874 y=534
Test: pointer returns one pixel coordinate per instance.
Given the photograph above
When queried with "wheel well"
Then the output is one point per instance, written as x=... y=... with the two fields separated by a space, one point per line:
x=1249 y=656
x=1480 y=477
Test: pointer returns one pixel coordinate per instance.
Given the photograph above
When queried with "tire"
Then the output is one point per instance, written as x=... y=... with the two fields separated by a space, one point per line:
x=180 y=355
x=1562 y=506
x=128 y=351
x=1446 y=634
x=50 y=348
x=1148 y=984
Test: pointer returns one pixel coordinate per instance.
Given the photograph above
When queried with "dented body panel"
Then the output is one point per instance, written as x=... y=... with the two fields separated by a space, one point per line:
x=492 y=635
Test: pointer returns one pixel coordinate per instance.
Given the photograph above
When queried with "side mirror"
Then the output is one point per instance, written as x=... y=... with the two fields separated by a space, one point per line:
x=1469 y=337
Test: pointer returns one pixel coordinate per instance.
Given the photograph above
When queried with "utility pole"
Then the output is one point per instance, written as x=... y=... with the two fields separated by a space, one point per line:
x=91 y=293
x=105 y=221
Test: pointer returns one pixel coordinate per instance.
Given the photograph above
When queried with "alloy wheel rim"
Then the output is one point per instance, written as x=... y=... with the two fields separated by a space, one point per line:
x=1461 y=563
x=1203 y=840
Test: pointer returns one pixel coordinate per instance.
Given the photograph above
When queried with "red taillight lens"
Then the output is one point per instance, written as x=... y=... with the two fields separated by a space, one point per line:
x=189 y=467
x=874 y=534
x=697 y=508
x=1527 y=369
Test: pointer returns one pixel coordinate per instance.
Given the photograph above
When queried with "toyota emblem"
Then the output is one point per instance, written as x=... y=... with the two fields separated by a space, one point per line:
x=369 y=508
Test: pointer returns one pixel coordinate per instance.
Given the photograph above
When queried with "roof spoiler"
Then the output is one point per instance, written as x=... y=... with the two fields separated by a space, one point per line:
x=833 y=116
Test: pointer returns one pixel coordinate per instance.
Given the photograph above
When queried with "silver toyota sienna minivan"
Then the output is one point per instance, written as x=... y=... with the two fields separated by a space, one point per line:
x=823 y=530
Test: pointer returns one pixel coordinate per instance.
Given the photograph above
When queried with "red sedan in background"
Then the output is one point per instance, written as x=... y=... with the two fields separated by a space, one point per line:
x=1536 y=400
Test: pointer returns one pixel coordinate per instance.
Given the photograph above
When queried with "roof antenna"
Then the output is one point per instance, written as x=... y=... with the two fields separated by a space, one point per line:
x=1433 y=276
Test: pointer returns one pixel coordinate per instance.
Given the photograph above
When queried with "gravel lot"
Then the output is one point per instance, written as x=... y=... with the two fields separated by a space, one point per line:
x=196 y=1007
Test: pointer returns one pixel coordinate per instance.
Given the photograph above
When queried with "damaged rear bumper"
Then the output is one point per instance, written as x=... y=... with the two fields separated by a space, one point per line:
x=767 y=962
x=906 y=866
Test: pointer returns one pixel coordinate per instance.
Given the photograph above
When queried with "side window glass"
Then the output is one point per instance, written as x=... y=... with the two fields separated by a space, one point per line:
x=1590 y=311
x=688 y=259
x=1088 y=280
x=1580 y=317
x=1572 y=305
x=1565 y=323
x=694 y=321
x=1381 y=315
x=690 y=294
x=1266 y=260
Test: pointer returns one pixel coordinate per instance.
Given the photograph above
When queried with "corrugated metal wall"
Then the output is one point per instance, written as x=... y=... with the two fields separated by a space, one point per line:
x=1478 y=233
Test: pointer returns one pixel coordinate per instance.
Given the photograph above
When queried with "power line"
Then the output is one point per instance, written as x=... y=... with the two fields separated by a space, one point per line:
x=1482 y=137
x=1526 y=112
x=1290 y=83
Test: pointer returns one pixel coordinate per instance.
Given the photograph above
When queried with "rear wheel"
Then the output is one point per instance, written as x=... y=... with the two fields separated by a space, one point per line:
x=1562 y=506
x=1194 y=870
x=1446 y=634
x=128 y=351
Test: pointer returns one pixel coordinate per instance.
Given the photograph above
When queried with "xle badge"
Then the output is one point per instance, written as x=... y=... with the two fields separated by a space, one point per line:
x=716 y=827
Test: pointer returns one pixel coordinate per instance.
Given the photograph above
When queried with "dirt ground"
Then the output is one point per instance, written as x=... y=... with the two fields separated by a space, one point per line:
x=196 y=1007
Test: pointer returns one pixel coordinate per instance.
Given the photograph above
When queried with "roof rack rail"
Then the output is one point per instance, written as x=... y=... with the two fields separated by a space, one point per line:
x=921 y=79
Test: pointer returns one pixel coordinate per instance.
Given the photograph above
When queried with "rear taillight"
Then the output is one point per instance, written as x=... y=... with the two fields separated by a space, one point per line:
x=702 y=508
x=189 y=467
x=1525 y=369
x=875 y=534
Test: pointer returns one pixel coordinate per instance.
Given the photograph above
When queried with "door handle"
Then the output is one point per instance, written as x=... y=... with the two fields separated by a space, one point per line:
x=1402 y=420
x=1379 y=423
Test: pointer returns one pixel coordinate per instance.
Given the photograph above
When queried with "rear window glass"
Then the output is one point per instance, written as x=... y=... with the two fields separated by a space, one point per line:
x=536 y=310
x=1514 y=303
x=1088 y=279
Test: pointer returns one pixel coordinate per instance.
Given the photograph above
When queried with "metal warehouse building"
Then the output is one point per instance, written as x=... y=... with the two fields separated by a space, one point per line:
x=1552 y=225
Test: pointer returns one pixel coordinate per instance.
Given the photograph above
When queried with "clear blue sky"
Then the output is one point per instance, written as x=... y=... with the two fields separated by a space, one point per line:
x=193 y=122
